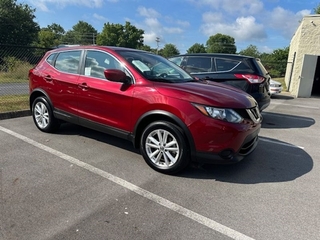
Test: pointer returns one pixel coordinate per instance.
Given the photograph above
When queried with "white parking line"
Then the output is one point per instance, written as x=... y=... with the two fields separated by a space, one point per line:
x=142 y=192
x=280 y=143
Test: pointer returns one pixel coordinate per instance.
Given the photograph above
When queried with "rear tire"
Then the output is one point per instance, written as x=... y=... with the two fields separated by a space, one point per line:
x=43 y=116
x=163 y=147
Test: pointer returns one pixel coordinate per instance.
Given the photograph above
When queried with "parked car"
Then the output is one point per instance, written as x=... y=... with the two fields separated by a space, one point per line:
x=243 y=72
x=275 y=87
x=142 y=97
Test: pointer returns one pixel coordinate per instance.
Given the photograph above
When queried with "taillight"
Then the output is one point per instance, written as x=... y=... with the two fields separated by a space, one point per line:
x=251 y=78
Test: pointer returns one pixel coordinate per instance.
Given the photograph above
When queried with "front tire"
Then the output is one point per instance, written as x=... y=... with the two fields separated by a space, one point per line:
x=43 y=116
x=163 y=147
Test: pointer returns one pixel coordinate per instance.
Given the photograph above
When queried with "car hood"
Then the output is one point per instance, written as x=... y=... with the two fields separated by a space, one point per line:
x=212 y=94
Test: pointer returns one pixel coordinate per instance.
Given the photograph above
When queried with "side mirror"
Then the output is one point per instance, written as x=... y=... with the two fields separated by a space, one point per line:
x=116 y=75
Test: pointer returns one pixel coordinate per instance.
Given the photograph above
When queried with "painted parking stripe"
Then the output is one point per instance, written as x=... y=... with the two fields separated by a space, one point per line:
x=280 y=143
x=142 y=192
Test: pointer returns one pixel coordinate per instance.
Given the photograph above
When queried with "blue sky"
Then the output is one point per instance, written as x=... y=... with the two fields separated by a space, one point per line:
x=267 y=24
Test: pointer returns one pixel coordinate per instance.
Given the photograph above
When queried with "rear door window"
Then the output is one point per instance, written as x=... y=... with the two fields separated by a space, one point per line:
x=196 y=64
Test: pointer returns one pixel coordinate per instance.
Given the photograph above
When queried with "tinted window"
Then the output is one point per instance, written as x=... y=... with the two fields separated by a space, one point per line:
x=198 y=64
x=68 y=61
x=223 y=64
x=176 y=60
x=50 y=59
x=96 y=62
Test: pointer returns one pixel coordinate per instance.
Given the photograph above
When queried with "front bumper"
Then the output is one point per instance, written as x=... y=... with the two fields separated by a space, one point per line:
x=228 y=156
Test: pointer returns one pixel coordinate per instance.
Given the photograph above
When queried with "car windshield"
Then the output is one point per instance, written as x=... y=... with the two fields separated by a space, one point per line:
x=155 y=68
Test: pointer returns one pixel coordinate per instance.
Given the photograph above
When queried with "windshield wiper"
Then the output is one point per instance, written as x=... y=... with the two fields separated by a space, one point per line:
x=162 y=80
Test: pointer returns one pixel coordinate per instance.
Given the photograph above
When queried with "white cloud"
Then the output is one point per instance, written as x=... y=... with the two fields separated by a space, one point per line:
x=157 y=26
x=43 y=4
x=184 y=24
x=288 y=19
x=99 y=17
x=232 y=6
x=148 y=12
x=173 y=30
x=152 y=23
x=150 y=38
x=242 y=29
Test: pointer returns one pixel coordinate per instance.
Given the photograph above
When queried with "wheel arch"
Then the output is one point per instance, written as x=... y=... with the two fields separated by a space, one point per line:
x=38 y=93
x=160 y=115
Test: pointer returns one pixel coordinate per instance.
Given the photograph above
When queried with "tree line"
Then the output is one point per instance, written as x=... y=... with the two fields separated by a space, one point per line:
x=18 y=27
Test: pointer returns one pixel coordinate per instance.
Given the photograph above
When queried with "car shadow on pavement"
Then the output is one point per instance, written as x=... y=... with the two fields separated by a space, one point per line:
x=285 y=96
x=278 y=120
x=272 y=161
x=72 y=129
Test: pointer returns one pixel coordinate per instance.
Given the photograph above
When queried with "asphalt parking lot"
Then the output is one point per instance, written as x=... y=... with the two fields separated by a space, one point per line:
x=81 y=184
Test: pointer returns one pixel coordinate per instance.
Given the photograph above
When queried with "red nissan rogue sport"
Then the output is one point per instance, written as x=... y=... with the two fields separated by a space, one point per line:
x=143 y=97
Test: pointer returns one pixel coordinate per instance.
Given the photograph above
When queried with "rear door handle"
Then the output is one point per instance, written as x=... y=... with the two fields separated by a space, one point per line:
x=48 y=78
x=83 y=86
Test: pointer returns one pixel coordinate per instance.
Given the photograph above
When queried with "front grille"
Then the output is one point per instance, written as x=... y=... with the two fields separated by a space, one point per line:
x=254 y=114
x=246 y=148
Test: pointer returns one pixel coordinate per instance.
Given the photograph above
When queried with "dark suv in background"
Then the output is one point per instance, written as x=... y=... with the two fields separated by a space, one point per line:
x=246 y=73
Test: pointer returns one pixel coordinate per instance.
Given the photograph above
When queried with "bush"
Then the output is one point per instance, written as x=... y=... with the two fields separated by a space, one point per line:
x=14 y=70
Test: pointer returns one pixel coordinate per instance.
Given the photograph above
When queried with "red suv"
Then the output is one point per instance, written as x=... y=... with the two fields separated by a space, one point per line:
x=144 y=98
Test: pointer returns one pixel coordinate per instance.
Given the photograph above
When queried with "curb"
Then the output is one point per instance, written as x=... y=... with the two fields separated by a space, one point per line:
x=16 y=114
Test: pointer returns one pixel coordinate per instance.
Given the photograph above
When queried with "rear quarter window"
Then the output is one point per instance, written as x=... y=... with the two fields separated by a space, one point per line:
x=230 y=65
x=51 y=58
x=226 y=65
x=68 y=61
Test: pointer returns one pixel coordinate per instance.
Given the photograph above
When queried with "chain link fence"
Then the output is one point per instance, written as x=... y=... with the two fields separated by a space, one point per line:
x=15 y=63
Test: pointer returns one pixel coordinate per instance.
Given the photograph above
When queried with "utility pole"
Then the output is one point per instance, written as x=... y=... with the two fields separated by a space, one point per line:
x=157 y=40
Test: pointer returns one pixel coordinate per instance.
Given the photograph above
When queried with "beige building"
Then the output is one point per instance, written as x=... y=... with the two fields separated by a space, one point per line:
x=303 y=68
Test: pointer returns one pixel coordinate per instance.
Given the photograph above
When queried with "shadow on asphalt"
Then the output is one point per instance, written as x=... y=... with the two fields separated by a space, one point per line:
x=278 y=120
x=71 y=129
x=284 y=96
x=272 y=161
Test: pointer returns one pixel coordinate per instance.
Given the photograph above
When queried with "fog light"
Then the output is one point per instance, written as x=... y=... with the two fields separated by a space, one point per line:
x=226 y=154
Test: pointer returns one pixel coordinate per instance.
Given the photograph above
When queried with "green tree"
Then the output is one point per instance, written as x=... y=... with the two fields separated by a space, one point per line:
x=221 y=43
x=276 y=62
x=57 y=29
x=46 y=39
x=121 y=35
x=169 y=50
x=251 y=50
x=197 y=48
x=147 y=48
x=17 y=25
x=317 y=9
x=82 y=33
x=50 y=36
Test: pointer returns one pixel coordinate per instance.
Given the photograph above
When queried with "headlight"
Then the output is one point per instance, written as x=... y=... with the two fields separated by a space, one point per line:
x=224 y=114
